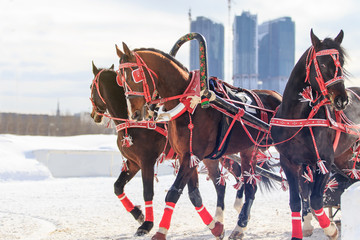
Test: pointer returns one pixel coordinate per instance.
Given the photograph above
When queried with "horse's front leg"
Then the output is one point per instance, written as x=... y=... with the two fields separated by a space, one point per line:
x=216 y=227
x=214 y=175
x=292 y=175
x=119 y=185
x=173 y=195
x=147 y=172
x=316 y=201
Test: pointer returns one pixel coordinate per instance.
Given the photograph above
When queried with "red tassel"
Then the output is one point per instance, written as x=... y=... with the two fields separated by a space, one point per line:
x=127 y=141
x=125 y=167
x=161 y=158
x=353 y=173
x=308 y=175
x=322 y=167
x=194 y=160
x=239 y=183
x=332 y=185
x=222 y=179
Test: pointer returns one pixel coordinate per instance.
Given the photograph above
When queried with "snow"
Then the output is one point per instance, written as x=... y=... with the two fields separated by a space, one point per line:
x=36 y=205
x=350 y=207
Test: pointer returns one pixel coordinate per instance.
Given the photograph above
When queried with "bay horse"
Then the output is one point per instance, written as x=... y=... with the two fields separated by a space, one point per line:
x=315 y=123
x=147 y=145
x=149 y=74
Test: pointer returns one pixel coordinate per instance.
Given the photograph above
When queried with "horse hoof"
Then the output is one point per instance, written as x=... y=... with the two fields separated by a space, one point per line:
x=137 y=214
x=218 y=231
x=159 y=236
x=308 y=232
x=145 y=228
x=236 y=235
x=332 y=231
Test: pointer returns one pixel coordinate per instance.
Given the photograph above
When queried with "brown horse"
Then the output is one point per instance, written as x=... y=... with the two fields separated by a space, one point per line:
x=149 y=74
x=314 y=125
x=148 y=145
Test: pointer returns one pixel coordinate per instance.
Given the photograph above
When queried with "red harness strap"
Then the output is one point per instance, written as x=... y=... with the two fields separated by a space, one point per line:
x=147 y=125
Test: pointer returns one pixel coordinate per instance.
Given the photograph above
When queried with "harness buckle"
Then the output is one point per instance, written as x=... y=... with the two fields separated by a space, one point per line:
x=151 y=125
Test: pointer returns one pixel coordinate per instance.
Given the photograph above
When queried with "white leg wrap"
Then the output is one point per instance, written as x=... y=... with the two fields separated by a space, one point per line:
x=219 y=215
x=308 y=229
x=163 y=230
x=211 y=225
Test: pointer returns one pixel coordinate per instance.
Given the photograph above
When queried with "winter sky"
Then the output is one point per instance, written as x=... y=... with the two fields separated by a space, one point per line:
x=46 y=46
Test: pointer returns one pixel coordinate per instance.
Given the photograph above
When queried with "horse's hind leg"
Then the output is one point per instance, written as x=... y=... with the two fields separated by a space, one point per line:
x=250 y=190
x=147 y=171
x=214 y=175
x=316 y=198
x=124 y=178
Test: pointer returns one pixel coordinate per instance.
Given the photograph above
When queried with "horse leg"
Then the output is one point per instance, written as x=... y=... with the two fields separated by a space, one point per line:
x=292 y=176
x=124 y=178
x=173 y=195
x=250 y=190
x=316 y=198
x=308 y=228
x=236 y=171
x=148 y=183
x=216 y=227
x=214 y=175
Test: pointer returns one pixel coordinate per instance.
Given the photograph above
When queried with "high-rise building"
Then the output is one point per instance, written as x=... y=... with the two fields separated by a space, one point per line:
x=214 y=36
x=276 y=53
x=245 y=51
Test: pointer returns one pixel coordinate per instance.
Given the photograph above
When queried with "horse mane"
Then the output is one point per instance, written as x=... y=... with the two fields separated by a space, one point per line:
x=166 y=55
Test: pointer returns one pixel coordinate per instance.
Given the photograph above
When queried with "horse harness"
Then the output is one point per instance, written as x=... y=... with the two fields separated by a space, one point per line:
x=341 y=122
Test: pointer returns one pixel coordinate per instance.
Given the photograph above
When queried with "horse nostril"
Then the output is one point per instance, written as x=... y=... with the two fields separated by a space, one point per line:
x=136 y=115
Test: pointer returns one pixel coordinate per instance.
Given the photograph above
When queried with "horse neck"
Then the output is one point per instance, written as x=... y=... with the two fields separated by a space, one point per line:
x=114 y=97
x=172 y=79
x=295 y=85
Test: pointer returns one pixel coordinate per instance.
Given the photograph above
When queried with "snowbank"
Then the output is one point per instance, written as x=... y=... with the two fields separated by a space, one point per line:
x=37 y=157
x=350 y=207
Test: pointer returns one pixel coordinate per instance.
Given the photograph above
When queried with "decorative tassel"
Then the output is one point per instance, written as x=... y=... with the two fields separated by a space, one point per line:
x=161 y=157
x=176 y=166
x=203 y=170
x=127 y=141
x=156 y=178
x=308 y=175
x=252 y=178
x=261 y=158
x=306 y=95
x=322 y=167
x=332 y=185
x=239 y=183
x=125 y=167
x=221 y=180
x=194 y=160
x=353 y=173
x=284 y=185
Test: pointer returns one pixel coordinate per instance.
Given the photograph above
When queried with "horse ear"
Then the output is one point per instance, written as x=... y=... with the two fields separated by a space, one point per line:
x=314 y=40
x=118 y=51
x=95 y=70
x=339 y=37
x=112 y=67
x=127 y=50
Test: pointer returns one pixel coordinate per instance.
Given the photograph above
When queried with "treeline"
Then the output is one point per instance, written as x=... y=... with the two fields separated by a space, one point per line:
x=50 y=125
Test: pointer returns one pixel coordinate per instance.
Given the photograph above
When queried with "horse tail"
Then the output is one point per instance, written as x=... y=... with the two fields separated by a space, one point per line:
x=269 y=179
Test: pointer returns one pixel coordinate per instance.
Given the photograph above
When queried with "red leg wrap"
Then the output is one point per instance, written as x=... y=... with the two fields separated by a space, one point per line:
x=166 y=218
x=324 y=221
x=149 y=212
x=126 y=202
x=204 y=214
x=296 y=225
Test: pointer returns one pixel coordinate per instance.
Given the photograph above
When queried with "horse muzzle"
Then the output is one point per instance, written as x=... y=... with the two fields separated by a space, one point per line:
x=340 y=102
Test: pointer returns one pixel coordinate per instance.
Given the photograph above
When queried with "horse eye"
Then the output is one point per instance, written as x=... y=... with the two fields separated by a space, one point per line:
x=322 y=65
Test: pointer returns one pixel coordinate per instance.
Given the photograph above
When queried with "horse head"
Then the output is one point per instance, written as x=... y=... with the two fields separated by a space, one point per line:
x=324 y=69
x=97 y=99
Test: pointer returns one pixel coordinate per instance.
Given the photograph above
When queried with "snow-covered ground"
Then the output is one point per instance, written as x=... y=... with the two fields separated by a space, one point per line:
x=35 y=205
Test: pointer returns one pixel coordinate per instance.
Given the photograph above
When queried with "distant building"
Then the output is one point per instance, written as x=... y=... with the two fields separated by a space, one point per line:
x=214 y=35
x=245 y=51
x=276 y=53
